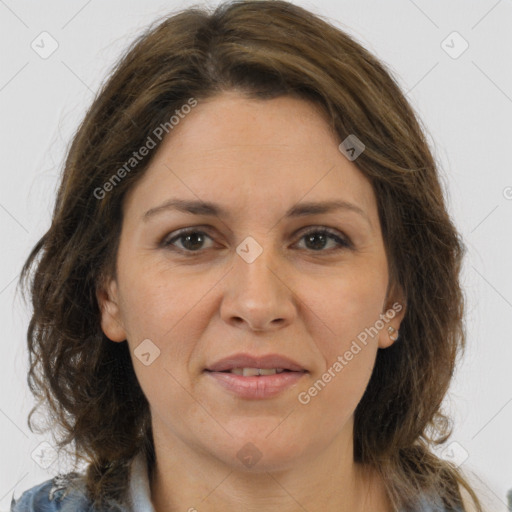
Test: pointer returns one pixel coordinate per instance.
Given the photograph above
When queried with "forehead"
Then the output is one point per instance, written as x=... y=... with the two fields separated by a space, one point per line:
x=240 y=152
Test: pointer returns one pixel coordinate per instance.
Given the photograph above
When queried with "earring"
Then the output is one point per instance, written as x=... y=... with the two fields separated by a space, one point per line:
x=391 y=330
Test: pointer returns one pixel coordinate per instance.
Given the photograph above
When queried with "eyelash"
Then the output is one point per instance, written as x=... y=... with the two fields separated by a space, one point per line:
x=343 y=242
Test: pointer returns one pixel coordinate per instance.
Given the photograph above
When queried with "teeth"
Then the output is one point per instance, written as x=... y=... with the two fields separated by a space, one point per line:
x=249 y=372
x=269 y=371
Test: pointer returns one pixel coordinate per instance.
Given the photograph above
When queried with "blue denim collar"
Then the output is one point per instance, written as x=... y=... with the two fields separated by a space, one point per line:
x=67 y=493
x=140 y=492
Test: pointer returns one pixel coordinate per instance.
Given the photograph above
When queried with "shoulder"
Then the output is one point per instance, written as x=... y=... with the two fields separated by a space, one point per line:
x=63 y=493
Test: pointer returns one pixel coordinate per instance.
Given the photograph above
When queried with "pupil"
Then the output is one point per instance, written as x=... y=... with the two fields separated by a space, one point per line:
x=191 y=237
x=320 y=236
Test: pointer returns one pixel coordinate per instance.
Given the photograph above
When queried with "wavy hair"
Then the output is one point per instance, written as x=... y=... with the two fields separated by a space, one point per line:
x=87 y=383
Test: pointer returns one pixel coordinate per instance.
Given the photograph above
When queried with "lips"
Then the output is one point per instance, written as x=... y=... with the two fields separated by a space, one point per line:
x=256 y=387
x=267 y=361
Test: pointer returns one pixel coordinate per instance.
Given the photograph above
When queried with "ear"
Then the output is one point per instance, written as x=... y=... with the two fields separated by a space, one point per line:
x=394 y=310
x=108 y=302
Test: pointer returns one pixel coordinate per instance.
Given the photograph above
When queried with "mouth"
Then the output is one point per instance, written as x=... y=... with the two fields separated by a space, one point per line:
x=256 y=372
x=255 y=383
x=255 y=376
x=249 y=365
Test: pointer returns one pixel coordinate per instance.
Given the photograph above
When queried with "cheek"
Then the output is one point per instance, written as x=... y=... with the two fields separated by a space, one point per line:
x=331 y=400
x=157 y=300
x=348 y=353
x=156 y=308
x=166 y=307
x=349 y=308
x=347 y=305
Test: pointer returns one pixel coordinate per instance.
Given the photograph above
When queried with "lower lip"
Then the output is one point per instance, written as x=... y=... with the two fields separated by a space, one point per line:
x=256 y=387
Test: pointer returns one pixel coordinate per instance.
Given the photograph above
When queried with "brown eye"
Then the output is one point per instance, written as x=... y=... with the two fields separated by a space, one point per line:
x=317 y=239
x=190 y=240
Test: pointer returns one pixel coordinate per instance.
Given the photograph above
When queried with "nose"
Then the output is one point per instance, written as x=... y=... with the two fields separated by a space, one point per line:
x=256 y=296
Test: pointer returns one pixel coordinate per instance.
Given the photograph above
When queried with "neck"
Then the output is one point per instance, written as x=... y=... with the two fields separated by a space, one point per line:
x=190 y=479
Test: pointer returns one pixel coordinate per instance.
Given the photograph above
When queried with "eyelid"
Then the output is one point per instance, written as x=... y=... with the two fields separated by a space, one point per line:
x=344 y=241
x=178 y=233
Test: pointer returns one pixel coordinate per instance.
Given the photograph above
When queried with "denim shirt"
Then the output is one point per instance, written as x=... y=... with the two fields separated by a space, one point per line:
x=58 y=495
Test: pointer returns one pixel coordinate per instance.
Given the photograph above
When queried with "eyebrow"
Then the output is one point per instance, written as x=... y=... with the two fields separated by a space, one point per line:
x=197 y=207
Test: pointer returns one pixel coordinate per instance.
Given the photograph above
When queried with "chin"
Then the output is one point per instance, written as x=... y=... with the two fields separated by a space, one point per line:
x=260 y=450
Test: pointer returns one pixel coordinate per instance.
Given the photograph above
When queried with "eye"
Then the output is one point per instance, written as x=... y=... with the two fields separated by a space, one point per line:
x=192 y=239
x=318 y=238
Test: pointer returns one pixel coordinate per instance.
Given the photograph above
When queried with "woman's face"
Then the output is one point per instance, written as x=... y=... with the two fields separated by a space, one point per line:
x=253 y=279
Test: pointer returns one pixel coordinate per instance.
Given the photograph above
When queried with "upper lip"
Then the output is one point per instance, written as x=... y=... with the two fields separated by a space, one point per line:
x=250 y=361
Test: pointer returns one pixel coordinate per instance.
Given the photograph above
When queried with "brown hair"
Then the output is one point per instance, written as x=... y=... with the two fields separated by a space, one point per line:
x=88 y=382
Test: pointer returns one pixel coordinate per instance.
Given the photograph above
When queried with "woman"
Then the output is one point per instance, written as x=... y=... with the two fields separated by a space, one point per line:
x=295 y=356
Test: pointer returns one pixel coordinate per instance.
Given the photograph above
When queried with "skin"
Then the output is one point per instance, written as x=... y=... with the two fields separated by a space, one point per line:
x=256 y=158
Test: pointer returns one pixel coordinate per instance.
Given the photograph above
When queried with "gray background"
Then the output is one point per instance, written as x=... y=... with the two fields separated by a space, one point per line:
x=464 y=101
